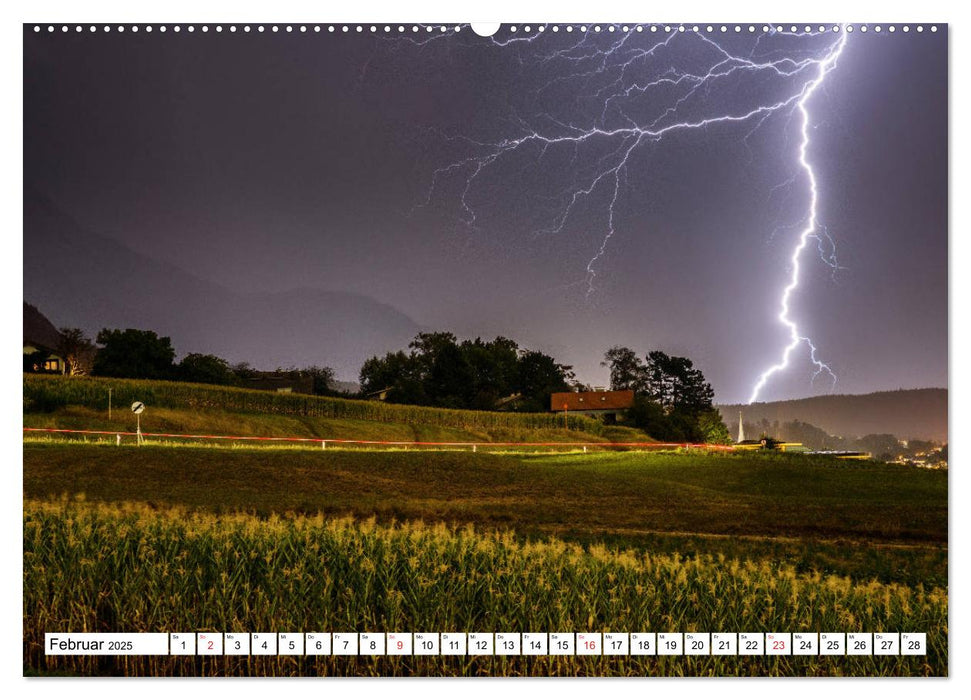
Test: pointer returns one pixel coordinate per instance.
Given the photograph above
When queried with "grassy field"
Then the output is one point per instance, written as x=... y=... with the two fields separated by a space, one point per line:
x=45 y=394
x=629 y=492
x=220 y=422
x=191 y=538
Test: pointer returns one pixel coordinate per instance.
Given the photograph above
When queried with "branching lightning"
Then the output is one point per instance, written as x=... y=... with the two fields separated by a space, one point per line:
x=637 y=90
x=810 y=230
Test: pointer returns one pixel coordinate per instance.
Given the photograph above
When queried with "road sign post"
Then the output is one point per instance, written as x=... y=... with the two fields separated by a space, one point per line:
x=137 y=409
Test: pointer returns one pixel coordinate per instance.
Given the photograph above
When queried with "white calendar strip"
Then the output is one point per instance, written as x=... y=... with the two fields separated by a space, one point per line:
x=487 y=644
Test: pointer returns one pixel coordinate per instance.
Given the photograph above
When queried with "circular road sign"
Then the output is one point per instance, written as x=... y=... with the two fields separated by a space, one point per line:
x=137 y=407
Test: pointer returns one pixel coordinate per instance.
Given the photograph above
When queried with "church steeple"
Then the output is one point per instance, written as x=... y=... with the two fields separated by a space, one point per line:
x=741 y=428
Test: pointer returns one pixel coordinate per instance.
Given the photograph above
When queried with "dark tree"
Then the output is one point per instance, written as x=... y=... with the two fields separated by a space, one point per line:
x=473 y=374
x=539 y=376
x=396 y=372
x=133 y=353
x=656 y=378
x=77 y=350
x=323 y=379
x=426 y=347
x=673 y=402
x=627 y=372
x=379 y=373
x=494 y=368
x=712 y=429
x=650 y=416
x=449 y=379
x=243 y=370
x=205 y=369
x=675 y=383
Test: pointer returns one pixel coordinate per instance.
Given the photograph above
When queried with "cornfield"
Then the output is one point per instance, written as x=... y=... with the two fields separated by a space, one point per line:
x=48 y=393
x=130 y=568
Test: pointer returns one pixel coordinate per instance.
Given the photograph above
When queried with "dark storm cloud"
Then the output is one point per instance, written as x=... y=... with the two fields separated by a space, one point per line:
x=268 y=162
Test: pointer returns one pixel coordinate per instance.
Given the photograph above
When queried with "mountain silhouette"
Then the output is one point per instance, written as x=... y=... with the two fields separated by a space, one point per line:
x=79 y=278
x=905 y=413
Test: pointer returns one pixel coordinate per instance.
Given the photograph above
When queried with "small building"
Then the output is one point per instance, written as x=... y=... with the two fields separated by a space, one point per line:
x=603 y=404
x=41 y=341
x=770 y=444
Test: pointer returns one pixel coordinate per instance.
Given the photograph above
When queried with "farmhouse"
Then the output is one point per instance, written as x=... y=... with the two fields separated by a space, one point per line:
x=41 y=340
x=603 y=404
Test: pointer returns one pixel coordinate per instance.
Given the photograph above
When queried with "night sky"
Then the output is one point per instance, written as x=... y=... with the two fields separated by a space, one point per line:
x=519 y=185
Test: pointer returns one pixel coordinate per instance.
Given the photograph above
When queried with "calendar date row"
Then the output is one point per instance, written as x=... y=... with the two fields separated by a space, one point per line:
x=489 y=644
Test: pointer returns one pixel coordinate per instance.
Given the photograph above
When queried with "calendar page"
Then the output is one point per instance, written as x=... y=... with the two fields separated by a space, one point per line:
x=446 y=349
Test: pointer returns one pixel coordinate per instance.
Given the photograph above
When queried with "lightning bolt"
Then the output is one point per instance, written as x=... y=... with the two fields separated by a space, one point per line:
x=796 y=338
x=630 y=95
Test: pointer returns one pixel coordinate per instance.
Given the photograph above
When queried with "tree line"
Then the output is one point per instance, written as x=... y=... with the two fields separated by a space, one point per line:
x=139 y=354
x=673 y=401
x=438 y=370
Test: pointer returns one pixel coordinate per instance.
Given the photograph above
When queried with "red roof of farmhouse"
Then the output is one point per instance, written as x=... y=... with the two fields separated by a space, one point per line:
x=591 y=400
